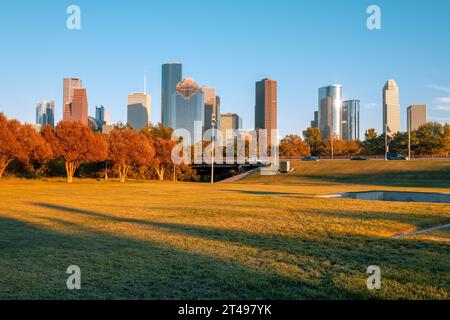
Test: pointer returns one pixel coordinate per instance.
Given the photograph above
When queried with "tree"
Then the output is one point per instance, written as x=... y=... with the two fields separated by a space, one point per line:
x=313 y=138
x=75 y=143
x=293 y=146
x=9 y=144
x=374 y=144
x=446 y=151
x=127 y=149
x=432 y=138
x=36 y=150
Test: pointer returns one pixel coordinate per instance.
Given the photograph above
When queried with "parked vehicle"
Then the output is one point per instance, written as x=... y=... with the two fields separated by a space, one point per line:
x=396 y=157
x=310 y=159
x=359 y=159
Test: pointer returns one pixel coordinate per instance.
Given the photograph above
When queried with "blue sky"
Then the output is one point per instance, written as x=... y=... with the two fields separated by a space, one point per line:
x=229 y=45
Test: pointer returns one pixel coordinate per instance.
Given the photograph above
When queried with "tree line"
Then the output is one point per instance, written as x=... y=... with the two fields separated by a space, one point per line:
x=72 y=148
x=431 y=139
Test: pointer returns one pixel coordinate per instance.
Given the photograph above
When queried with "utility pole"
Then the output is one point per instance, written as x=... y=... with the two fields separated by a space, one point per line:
x=409 y=137
x=213 y=137
x=386 y=145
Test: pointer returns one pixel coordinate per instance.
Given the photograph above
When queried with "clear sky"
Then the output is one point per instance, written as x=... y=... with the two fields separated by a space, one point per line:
x=229 y=45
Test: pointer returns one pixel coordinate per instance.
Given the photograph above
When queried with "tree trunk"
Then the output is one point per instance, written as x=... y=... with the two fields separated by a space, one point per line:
x=71 y=167
x=3 y=164
x=160 y=172
x=123 y=172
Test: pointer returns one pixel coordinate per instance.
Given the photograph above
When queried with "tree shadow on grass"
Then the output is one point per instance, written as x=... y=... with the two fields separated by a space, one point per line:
x=348 y=253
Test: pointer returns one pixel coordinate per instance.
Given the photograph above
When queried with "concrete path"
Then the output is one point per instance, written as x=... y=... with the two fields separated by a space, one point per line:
x=420 y=231
x=239 y=177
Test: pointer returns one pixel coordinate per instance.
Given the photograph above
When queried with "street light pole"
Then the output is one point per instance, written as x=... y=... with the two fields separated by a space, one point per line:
x=409 y=137
x=213 y=125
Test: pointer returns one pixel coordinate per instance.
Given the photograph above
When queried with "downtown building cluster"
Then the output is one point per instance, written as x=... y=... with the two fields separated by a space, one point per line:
x=340 y=119
x=184 y=105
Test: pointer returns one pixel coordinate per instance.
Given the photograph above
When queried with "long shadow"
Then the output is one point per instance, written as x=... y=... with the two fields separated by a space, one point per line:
x=423 y=260
x=253 y=192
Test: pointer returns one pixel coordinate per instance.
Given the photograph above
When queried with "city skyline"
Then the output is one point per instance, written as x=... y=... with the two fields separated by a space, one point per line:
x=291 y=57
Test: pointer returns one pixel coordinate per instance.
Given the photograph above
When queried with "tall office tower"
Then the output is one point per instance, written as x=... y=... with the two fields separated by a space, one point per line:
x=70 y=84
x=188 y=109
x=138 y=110
x=230 y=121
x=45 y=113
x=77 y=110
x=101 y=116
x=266 y=107
x=172 y=74
x=391 y=108
x=350 y=120
x=212 y=107
x=330 y=108
x=315 y=122
x=417 y=116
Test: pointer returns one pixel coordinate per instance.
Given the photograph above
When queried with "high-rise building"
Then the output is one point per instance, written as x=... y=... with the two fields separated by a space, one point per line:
x=350 y=120
x=212 y=107
x=417 y=116
x=188 y=109
x=45 y=113
x=391 y=108
x=266 y=107
x=138 y=110
x=77 y=110
x=230 y=121
x=172 y=74
x=70 y=84
x=101 y=116
x=315 y=122
x=330 y=108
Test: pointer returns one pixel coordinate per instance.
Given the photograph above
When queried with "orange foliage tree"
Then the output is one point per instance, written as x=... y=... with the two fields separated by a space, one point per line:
x=127 y=149
x=294 y=147
x=75 y=143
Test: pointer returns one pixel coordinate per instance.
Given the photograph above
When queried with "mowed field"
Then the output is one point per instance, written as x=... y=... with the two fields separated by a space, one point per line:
x=261 y=238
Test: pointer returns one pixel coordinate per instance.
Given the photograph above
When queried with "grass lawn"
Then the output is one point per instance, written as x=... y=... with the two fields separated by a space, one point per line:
x=262 y=238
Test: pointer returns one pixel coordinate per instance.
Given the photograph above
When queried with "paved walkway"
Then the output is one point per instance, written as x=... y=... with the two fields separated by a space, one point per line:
x=239 y=177
x=420 y=231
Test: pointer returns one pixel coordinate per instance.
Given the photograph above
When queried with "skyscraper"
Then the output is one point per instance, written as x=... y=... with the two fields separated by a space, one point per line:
x=172 y=74
x=350 y=120
x=330 y=109
x=212 y=107
x=101 y=116
x=70 y=84
x=138 y=110
x=230 y=121
x=77 y=110
x=391 y=108
x=417 y=116
x=45 y=113
x=266 y=107
x=315 y=122
x=188 y=109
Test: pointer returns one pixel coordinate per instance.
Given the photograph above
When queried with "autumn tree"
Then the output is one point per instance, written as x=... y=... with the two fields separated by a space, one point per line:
x=373 y=143
x=9 y=144
x=313 y=138
x=75 y=144
x=35 y=149
x=128 y=149
x=431 y=138
x=294 y=147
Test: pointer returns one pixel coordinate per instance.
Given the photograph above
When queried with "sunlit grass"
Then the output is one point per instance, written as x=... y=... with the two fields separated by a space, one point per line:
x=152 y=240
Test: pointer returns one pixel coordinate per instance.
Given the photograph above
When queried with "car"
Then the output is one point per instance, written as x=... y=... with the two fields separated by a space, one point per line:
x=358 y=159
x=310 y=159
x=396 y=157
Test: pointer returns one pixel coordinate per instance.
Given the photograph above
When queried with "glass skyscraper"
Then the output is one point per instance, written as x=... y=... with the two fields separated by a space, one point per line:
x=45 y=113
x=171 y=76
x=350 y=120
x=188 y=109
x=138 y=113
x=330 y=108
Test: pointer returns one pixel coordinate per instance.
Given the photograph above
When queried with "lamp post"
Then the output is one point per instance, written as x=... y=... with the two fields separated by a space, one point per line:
x=213 y=126
x=386 y=145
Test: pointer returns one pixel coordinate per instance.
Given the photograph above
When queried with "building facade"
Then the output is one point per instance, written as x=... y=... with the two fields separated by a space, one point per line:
x=417 y=116
x=230 y=121
x=330 y=111
x=315 y=122
x=350 y=120
x=139 y=110
x=391 y=108
x=77 y=110
x=45 y=113
x=70 y=84
x=212 y=107
x=172 y=74
x=188 y=109
x=101 y=116
x=266 y=107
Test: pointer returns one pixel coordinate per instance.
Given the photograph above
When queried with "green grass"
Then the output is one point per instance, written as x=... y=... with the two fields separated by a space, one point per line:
x=264 y=238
